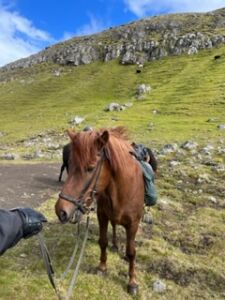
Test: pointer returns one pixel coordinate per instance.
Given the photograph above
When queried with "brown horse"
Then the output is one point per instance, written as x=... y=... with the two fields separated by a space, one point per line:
x=101 y=165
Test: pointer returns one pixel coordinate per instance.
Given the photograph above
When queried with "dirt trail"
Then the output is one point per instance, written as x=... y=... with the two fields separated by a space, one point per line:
x=27 y=184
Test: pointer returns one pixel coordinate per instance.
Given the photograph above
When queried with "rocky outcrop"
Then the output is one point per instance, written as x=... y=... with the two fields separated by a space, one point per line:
x=117 y=107
x=137 y=42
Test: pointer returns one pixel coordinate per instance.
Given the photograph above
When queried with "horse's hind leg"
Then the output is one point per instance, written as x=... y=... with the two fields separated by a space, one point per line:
x=103 y=240
x=61 y=172
x=131 y=253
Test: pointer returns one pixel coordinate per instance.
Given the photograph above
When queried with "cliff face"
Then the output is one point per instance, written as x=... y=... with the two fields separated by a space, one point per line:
x=137 y=42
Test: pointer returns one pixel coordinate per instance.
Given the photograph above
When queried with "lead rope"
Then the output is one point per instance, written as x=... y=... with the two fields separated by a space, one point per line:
x=73 y=280
x=49 y=268
x=48 y=264
x=73 y=255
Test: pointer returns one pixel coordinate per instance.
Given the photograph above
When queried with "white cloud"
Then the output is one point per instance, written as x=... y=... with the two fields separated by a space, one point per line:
x=93 y=26
x=18 y=36
x=142 y=8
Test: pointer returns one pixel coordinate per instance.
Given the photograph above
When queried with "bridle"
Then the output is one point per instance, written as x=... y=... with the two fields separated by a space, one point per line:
x=79 y=202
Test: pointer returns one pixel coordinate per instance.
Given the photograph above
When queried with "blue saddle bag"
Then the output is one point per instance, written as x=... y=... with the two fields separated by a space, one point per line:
x=150 y=190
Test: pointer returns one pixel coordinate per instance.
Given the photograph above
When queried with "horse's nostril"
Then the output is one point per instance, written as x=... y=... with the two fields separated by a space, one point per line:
x=63 y=216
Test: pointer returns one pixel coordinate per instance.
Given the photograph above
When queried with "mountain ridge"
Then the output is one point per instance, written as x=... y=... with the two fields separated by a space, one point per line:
x=137 y=42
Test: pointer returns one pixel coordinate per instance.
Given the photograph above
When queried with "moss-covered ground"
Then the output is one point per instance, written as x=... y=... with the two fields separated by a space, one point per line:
x=186 y=92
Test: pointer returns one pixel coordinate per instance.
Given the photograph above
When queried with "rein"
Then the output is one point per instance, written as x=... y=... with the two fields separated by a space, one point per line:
x=82 y=207
x=49 y=267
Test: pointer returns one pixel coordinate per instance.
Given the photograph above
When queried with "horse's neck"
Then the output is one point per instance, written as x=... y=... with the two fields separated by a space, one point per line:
x=126 y=186
x=127 y=174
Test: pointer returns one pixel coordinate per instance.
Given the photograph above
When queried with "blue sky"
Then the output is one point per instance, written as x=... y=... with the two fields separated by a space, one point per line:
x=27 y=26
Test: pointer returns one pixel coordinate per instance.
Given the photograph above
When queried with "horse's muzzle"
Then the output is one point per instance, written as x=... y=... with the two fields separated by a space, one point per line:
x=63 y=216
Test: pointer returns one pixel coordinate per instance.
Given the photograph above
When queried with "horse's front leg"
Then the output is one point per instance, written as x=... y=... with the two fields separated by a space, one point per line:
x=114 y=238
x=130 y=254
x=103 y=240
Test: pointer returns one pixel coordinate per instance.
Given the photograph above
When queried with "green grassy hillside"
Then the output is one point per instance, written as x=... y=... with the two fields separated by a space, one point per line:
x=186 y=92
x=185 y=246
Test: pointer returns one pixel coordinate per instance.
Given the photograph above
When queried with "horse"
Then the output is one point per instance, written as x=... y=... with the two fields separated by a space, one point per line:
x=102 y=168
x=65 y=157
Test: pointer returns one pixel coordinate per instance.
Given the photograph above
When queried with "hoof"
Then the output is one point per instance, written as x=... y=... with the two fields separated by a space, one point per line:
x=125 y=257
x=114 y=248
x=101 y=272
x=132 y=289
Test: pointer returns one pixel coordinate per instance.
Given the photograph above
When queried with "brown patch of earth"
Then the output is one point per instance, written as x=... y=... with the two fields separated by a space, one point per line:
x=28 y=185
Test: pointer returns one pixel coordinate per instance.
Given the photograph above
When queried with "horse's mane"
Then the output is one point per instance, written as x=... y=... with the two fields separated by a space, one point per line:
x=84 y=148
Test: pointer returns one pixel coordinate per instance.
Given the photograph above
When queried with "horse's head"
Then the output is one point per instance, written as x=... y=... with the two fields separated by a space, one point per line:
x=88 y=173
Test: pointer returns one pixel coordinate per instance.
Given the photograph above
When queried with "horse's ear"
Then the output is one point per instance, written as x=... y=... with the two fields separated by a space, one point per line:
x=71 y=134
x=102 y=139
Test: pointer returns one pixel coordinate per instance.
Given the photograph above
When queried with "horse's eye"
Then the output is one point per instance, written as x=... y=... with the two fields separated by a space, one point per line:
x=90 y=169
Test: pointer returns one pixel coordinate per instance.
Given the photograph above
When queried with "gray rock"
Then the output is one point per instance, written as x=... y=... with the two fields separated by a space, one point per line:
x=155 y=111
x=163 y=203
x=169 y=148
x=174 y=163
x=29 y=143
x=23 y=255
x=207 y=150
x=189 y=145
x=117 y=107
x=202 y=178
x=38 y=154
x=212 y=120
x=159 y=286
x=113 y=107
x=212 y=199
x=219 y=168
x=52 y=146
x=221 y=150
x=27 y=156
x=143 y=89
x=56 y=73
x=221 y=127
x=76 y=120
x=8 y=156
x=128 y=104
x=192 y=50
x=128 y=58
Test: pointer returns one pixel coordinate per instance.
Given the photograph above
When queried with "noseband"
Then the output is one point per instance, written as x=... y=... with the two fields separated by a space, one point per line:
x=95 y=176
